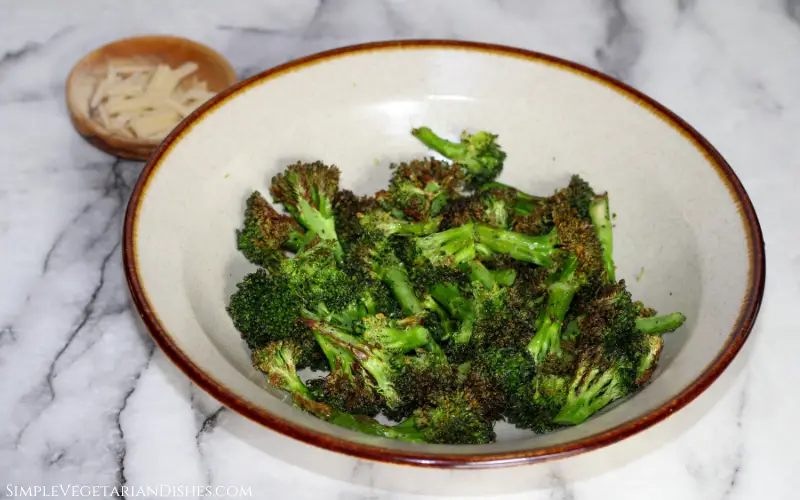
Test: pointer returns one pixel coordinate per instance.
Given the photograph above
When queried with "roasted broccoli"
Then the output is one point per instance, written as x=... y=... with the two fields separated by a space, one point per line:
x=478 y=154
x=444 y=303
x=266 y=235
x=307 y=191
x=420 y=189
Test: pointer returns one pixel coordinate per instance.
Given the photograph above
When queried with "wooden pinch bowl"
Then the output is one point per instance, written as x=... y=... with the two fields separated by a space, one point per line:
x=213 y=68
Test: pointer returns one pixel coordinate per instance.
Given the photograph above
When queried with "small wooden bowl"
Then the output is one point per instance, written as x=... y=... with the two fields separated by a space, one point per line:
x=213 y=68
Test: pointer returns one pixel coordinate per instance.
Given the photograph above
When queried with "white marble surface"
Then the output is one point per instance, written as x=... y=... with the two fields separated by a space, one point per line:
x=86 y=399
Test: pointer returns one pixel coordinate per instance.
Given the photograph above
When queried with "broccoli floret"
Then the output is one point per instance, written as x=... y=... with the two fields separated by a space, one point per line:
x=535 y=404
x=398 y=336
x=531 y=398
x=266 y=234
x=648 y=359
x=460 y=308
x=347 y=387
x=509 y=368
x=278 y=360
x=264 y=309
x=461 y=211
x=405 y=381
x=478 y=154
x=612 y=321
x=376 y=258
x=615 y=357
x=318 y=279
x=420 y=189
x=268 y=307
x=420 y=380
x=375 y=255
x=347 y=210
x=599 y=380
x=547 y=339
x=494 y=207
x=454 y=418
x=307 y=190
x=578 y=195
x=376 y=360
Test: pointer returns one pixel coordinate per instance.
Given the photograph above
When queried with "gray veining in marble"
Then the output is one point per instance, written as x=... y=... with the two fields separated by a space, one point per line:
x=86 y=398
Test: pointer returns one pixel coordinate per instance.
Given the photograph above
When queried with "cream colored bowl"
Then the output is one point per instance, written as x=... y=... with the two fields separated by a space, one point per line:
x=682 y=215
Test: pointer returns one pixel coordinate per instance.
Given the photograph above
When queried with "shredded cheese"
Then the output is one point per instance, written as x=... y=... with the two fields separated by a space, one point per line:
x=146 y=101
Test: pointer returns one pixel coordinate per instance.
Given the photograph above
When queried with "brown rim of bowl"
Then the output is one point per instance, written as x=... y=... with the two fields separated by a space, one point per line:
x=743 y=326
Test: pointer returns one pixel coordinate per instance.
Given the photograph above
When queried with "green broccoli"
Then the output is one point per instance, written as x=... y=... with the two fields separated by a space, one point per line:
x=478 y=154
x=598 y=381
x=601 y=218
x=264 y=310
x=266 y=234
x=376 y=359
x=348 y=387
x=308 y=190
x=453 y=418
x=660 y=324
x=441 y=309
x=278 y=360
x=420 y=189
x=547 y=339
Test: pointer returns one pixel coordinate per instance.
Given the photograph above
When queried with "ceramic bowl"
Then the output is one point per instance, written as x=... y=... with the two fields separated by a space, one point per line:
x=212 y=68
x=682 y=215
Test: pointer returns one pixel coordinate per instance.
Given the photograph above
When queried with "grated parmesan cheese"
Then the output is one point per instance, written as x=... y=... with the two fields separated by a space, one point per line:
x=146 y=101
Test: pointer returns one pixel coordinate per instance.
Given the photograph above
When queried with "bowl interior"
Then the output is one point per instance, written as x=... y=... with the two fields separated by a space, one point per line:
x=676 y=215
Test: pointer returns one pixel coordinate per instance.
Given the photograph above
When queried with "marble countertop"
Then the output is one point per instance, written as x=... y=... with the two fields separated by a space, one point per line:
x=86 y=398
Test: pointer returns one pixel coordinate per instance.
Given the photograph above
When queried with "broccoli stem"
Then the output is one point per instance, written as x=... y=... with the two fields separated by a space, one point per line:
x=295 y=242
x=479 y=273
x=459 y=307
x=524 y=203
x=401 y=227
x=356 y=423
x=447 y=242
x=464 y=254
x=313 y=220
x=452 y=150
x=339 y=360
x=397 y=279
x=599 y=213
x=422 y=228
x=504 y=277
x=660 y=324
x=547 y=339
x=538 y=250
x=400 y=339
x=483 y=251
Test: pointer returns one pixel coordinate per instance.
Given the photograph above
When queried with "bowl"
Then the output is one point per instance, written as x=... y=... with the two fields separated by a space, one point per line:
x=213 y=68
x=687 y=237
